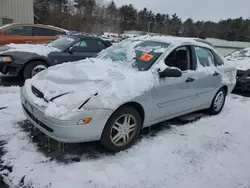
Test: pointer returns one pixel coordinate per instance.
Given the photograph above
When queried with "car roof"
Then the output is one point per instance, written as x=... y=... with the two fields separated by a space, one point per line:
x=82 y=37
x=174 y=39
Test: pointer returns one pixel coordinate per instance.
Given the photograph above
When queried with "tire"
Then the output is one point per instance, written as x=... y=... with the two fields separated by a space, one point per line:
x=115 y=124
x=217 y=103
x=29 y=69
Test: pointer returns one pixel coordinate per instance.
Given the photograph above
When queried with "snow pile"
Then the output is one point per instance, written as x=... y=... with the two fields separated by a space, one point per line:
x=211 y=152
x=113 y=83
x=39 y=49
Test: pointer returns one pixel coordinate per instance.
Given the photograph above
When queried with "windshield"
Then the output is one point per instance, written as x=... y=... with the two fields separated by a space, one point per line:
x=63 y=42
x=141 y=54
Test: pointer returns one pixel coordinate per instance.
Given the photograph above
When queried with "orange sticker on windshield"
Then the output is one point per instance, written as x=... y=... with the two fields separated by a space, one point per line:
x=146 y=57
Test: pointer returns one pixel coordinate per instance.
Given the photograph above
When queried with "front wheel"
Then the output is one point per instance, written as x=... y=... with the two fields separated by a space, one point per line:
x=218 y=102
x=33 y=68
x=122 y=129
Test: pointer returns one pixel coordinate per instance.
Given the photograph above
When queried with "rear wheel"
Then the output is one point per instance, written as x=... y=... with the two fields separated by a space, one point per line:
x=218 y=102
x=122 y=129
x=33 y=68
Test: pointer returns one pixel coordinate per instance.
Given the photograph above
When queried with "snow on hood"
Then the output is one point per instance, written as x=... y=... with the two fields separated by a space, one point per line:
x=109 y=83
x=39 y=49
x=241 y=58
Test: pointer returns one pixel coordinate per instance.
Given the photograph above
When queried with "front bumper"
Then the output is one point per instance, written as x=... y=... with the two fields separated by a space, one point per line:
x=242 y=80
x=10 y=68
x=66 y=130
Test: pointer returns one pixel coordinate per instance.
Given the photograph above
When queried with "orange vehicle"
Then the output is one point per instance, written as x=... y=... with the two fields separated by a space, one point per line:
x=29 y=33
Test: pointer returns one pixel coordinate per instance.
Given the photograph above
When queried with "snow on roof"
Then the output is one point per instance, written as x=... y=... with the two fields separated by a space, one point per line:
x=220 y=42
x=5 y=26
x=241 y=58
x=65 y=30
x=173 y=39
x=39 y=49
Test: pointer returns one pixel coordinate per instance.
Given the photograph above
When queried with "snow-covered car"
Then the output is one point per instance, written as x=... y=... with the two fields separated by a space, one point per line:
x=28 y=59
x=241 y=59
x=131 y=85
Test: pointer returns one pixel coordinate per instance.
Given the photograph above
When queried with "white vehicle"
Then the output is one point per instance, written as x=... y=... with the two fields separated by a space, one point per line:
x=131 y=85
x=241 y=59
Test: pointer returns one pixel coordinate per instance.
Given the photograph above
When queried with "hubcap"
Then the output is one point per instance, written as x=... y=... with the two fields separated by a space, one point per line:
x=123 y=130
x=38 y=69
x=219 y=100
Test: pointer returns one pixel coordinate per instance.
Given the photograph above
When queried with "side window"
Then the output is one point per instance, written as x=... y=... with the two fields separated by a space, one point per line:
x=19 y=31
x=82 y=44
x=94 y=45
x=179 y=58
x=204 y=57
x=48 y=32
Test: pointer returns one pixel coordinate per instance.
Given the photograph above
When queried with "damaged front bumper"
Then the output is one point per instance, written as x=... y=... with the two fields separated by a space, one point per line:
x=67 y=131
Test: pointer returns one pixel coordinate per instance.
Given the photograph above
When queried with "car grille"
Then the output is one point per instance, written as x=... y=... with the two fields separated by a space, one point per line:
x=239 y=75
x=37 y=121
x=37 y=93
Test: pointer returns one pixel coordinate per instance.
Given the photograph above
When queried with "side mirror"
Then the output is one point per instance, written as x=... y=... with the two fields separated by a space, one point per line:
x=170 y=72
x=75 y=49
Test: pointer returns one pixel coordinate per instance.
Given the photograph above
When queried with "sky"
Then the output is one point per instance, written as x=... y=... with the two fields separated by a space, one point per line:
x=213 y=10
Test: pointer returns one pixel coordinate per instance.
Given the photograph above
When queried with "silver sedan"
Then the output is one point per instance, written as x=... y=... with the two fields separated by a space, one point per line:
x=192 y=76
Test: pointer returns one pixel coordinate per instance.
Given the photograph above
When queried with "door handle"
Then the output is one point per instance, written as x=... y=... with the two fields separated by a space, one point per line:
x=216 y=74
x=189 y=79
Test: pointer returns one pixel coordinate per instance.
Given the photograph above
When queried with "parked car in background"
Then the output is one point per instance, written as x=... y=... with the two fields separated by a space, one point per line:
x=241 y=59
x=27 y=60
x=29 y=33
x=131 y=85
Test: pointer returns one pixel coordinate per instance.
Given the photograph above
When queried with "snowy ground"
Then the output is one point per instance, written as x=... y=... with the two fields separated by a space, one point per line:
x=210 y=152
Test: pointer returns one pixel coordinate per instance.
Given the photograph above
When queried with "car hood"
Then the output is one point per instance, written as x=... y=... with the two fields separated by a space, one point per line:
x=71 y=84
x=38 y=49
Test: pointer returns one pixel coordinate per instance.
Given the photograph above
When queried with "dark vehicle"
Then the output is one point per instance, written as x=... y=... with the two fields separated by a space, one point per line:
x=29 y=60
x=241 y=59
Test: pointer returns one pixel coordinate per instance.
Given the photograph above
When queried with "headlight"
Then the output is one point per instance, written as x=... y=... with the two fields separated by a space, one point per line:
x=5 y=59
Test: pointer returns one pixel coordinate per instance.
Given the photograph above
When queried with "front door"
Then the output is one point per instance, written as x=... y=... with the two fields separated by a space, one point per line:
x=175 y=95
x=82 y=51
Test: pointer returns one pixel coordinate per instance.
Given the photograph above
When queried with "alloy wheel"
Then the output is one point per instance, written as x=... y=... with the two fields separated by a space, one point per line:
x=219 y=100
x=123 y=130
x=38 y=69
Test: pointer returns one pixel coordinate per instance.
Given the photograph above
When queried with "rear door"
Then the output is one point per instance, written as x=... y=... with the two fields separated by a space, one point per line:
x=208 y=76
x=45 y=35
x=87 y=48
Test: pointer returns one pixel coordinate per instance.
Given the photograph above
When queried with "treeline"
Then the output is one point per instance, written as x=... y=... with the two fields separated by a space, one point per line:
x=97 y=16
